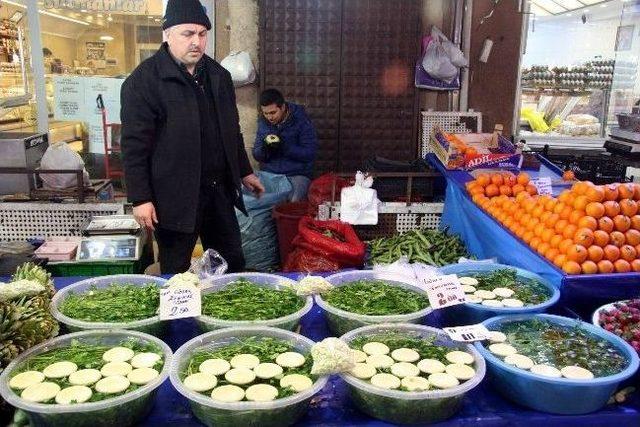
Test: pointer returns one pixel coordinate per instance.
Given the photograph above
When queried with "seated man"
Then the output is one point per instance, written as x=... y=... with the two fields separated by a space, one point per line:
x=286 y=142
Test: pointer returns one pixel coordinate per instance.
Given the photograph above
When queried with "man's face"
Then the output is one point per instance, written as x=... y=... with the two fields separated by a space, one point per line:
x=273 y=113
x=187 y=42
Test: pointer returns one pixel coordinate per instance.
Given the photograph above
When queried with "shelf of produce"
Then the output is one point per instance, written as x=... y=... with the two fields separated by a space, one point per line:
x=482 y=406
x=486 y=238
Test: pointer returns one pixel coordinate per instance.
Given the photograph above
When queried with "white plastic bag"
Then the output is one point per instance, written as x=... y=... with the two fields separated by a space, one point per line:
x=455 y=55
x=359 y=204
x=241 y=68
x=436 y=62
x=60 y=156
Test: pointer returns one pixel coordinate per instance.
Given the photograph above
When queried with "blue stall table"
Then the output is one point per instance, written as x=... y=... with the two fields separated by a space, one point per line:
x=332 y=407
x=487 y=238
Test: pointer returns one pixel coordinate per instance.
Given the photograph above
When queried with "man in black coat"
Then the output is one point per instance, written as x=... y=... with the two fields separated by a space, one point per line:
x=183 y=153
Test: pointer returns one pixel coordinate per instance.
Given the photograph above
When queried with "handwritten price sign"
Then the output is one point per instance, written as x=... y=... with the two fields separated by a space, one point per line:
x=443 y=291
x=180 y=301
x=543 y=185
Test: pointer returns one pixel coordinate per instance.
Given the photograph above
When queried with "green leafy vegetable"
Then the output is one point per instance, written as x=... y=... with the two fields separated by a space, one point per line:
x=526 y=290
x=266 y=349
x=376 y=298
x=115 y=303
x=244 y=300
x=432 y=247
x=86 y=356
x=548 y=343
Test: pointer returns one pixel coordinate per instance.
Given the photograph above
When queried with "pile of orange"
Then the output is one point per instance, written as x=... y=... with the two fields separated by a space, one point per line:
x=460 y=145
x=588 y=229
x=505 y=184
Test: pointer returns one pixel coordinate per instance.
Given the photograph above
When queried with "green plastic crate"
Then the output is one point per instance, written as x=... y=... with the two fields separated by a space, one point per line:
x=93 y=269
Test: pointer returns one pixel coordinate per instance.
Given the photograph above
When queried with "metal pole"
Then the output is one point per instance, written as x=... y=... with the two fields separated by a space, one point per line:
x=466 y=49
x=37 y=62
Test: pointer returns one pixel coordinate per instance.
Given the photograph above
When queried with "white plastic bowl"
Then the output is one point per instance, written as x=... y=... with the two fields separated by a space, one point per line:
x=595 y=318
x=405 y=407
x=289 y=322
x=341 y=321
x=280 y=412
x=152 y=325
x=124 y=410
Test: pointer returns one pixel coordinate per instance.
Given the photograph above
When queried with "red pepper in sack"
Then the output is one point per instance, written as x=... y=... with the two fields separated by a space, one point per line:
x=320 y=191
x=336 y=239
x=303 y=260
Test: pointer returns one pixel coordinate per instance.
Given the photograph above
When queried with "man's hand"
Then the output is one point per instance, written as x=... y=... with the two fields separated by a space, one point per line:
x=146 y=215
x=253 y=184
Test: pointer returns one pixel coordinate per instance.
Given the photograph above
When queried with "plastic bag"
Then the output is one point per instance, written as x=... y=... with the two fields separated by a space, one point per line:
x=453 y=52
x=437 y=63
x=241 y=68
x=309 y=262
x=338 y=239
x=208 y=266
x=359 y=204
x=332 y=356
x=320 y=191
x=60 y=156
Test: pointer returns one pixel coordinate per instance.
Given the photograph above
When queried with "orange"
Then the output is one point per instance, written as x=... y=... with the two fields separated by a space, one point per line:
x=550 y=204
x=628 y=253
x=632 y=237
x=595 y=194
x=568 y=175
x=580 y=188
x=584 y=237
x=635 y=222
x=519 y=231
x=532 y=224
x=491 y=190
x=535 y=242
x=543 y=248
x=569 y=231
x=559 y=260
x=611 y=192
x=566 y=197
x=506 y=190
x=566 y=213
x=561 y=225
x=606 y=224
x=622 y=266
x=497 y=179
x=539 y=231
x=551 y=254
x=483 y=179
x=628 y=207
x=538 y=211
x=605 y=266
x=552 y=220
x=588 y=222
x=635 y=265
x=577 y=253
x=611 y=208
x=522 y=195
x=545 y=217
x=517 y=189
x=595 y=209
x=528 y=236
x=589 y=267
x=617 y=238
x=622 y=223
x=531 y=189
x=509 y=179
x=601 y=238
x=626 y=191
x=576 y=216
x=509 y=222
x=565 y=245
x=571 y=267
x=530 y=205
x=523 y=178
x=580 y=203
x=547 y=235
x=636 y=193
x=595 y=253
x=611 y=253
x=555 y=240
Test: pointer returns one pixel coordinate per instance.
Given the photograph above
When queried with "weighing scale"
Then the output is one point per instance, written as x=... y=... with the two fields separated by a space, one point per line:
x=623 y=142
x=111 y=238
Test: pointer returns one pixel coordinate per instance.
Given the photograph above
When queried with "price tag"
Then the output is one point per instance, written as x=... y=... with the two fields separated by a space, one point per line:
x=443 y=291
x=468 y=333
x=180 y=301
x=543 y=185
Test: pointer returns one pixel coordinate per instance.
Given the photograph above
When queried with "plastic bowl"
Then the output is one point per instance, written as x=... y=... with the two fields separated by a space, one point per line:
x=469 y=313
x=152 y=325
x=556 y=395
x=125 y=410
x=595 y=318
x=275 y=413
x=411 y=407
x=289 y=322
x=341 y=321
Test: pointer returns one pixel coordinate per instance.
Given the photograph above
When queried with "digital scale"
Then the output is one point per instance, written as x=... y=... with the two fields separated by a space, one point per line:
x=111 y=238
x=623 y=142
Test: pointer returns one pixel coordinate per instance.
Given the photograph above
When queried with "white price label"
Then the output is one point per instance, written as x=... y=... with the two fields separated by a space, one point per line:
x=443 y=291
x=468 y=333
x=180 y=301
x=543 y=185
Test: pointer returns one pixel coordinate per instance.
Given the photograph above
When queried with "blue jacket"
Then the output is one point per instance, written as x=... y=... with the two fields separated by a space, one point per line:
x=298 y=144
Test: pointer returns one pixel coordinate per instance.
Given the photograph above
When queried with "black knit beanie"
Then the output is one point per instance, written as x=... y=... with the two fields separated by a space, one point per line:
x=185 y=12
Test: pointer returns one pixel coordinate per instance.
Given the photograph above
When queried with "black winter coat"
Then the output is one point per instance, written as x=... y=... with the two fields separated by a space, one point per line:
x=161 y=138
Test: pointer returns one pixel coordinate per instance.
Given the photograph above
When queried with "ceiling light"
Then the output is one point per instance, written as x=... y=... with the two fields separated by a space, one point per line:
x=44 y=12
x=106 y=38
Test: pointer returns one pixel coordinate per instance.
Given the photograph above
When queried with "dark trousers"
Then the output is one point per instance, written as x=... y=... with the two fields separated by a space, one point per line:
x=217 y=226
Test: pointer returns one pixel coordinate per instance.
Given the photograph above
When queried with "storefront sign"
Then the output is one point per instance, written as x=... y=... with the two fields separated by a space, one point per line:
x=69 y=95
x=125 y=6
